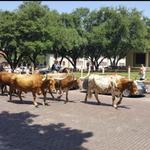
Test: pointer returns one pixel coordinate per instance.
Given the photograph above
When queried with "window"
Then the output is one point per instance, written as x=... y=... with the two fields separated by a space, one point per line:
x=140 y=58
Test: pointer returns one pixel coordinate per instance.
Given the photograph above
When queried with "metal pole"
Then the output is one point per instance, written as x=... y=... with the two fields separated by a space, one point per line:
x=81 y=71
x=103 y=70
x=129 y=72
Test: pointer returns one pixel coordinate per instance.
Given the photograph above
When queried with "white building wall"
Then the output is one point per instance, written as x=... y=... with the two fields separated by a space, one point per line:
x=81 y=62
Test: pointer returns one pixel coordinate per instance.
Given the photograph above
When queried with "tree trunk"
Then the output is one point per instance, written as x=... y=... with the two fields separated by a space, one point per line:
x=92 y=65
x=61 y=60
x=96 y=65
x=73 y=62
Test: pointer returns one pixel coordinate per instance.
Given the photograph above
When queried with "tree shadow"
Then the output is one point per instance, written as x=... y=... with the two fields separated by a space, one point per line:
x=18 y=133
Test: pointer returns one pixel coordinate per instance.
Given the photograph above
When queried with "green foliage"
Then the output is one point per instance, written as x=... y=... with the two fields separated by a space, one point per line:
x=32 y=24
x=115 y=32
x=9 y=38
x=35 y=30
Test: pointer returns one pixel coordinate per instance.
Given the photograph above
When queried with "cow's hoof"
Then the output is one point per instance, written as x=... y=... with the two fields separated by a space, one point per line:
x=45 y=104
x=99 y=103
x=115 y=106
x=36 y=105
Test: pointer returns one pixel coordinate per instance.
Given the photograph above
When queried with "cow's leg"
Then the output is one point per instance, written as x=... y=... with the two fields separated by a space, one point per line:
x=96 y=96
x=51 y=94
x=10 y=92
x=86 y=96
x=120 y=99
x=61 y=93
x=19 y=94
x=113 y=93
x=113 y=101
x=44 y=92
x=85 y=100
x=67 y=90
x=34 y=99
x=3 y=89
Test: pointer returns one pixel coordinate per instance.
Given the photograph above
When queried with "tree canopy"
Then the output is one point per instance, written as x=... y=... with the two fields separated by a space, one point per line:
x=33 y=29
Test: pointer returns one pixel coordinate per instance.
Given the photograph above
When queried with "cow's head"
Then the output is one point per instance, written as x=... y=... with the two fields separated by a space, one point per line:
x=52 y=83
x=132 y=87
x=77 y=83
x=48 y=82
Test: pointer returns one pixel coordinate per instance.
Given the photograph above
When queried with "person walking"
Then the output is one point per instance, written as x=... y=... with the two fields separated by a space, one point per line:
x=142 y=72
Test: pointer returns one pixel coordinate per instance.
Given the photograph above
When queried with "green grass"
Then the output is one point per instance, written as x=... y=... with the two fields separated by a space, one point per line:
x=134 y=75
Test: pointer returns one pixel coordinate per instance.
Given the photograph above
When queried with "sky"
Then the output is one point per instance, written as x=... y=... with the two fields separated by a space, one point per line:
x=69 y=6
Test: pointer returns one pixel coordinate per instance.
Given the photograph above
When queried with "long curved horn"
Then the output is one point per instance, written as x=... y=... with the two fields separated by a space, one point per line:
x=58 y=78
x=45 y=77
x=82 y=78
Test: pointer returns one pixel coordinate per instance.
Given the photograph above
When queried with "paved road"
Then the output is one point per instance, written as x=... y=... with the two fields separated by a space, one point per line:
x=75 y=125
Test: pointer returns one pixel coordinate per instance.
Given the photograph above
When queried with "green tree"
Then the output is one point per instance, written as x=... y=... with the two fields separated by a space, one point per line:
x=67 y=43
x=9 y=38
x=31 y=24
x=120 y=31
x=96 y=46
x=126 y=31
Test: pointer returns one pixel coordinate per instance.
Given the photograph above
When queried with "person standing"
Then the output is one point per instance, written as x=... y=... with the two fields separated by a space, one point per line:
x=142 y=72
x=56 y=66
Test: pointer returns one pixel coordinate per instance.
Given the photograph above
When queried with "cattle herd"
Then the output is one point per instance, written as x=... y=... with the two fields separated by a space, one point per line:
x=59 y=83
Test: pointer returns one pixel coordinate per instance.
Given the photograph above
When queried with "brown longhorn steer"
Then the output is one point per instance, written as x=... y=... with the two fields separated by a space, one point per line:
x=66 y=84
x=34 y=83
x=5 y=79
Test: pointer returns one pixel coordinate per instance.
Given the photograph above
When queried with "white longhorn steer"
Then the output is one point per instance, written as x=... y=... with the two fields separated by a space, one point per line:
x=116 y=84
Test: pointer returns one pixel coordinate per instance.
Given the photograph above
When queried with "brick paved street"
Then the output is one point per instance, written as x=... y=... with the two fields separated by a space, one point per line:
x=75 y=125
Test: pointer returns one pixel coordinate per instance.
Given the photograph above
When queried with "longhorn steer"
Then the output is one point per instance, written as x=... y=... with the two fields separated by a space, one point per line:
x=34 y=83
x=114 y=83
x=66 y=84
x=5 y=79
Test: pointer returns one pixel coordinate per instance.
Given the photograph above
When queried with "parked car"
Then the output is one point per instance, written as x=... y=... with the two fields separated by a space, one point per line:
x=44 y=70
x=142 y=89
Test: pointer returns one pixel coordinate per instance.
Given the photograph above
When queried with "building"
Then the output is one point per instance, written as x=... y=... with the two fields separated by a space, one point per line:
x=81 y=62
x=135 y=59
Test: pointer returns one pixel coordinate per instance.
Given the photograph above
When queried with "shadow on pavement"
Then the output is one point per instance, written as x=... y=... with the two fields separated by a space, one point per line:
x=104 y=104
x=18 y=133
